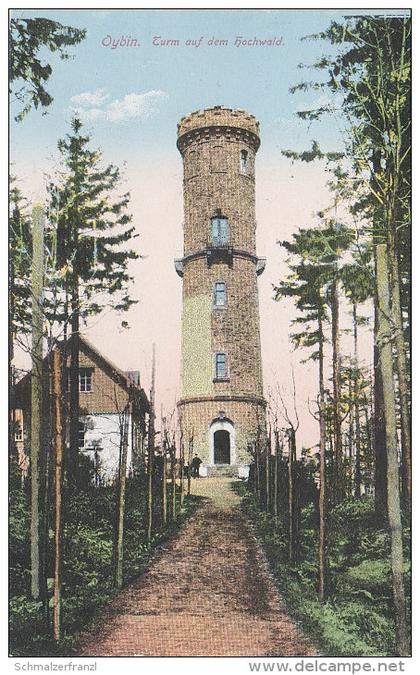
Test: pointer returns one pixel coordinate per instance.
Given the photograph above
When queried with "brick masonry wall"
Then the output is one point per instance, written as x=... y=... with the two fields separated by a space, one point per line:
x=211 y=142
x=106 y=396
x=213 y=180
x=248 y=419
x=233 y=329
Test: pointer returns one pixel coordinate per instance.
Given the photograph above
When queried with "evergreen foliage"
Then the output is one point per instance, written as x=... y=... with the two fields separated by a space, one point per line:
x=28 y=72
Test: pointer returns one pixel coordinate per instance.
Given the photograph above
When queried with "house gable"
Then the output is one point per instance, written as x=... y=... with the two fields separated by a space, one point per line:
x=108 y=393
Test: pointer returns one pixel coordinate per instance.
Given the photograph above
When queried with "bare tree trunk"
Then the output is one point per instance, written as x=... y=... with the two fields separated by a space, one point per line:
x=190 y=456
x=290 y=495
x=38 y=223
x=349 y=444
x=401 y=368
x=358 y=464
x=338 y=489
x=357 y=471
x=150 y=464
x=164 y=487
x=122 y=477
x=173 y=480
x=58 y=497
x=276 y=475
x=46 y=477
x=370 y=462
x=322 y=593
x=13 y=456
x=293 y=497
x=267 y=476
x=181 y=459
x=257 y=474
x=44 y=487
x=379 y=430
x=74 y=379
x=12 y=411
x=151 y=450
x=384 y=337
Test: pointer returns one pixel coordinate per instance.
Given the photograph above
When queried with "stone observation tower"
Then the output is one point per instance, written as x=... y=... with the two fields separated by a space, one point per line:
x=222 y=404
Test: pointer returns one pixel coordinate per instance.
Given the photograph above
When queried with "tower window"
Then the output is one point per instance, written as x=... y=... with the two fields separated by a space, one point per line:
x=219 y=231
x=243 y=161
x=220 y=294
x=221 y=366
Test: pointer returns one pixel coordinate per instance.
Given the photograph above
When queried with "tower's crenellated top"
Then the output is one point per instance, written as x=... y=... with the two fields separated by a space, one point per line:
x=219 y=117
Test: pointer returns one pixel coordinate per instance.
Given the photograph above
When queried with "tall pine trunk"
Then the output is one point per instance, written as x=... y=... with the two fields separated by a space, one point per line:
x=357 y=469
x=379 y=436
x=401 y=368
x=58 y=495
x=322 y=557
x=38 y=222
x=384 y=338
x=338 y=488
x=291 y=493
x=74 y=381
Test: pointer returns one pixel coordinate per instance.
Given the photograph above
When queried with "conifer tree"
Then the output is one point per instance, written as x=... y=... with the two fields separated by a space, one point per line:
x=368 y=78
x=358 y=283
x=92 y=229
x=20 y=248
x=28 y=72
x=306 y=285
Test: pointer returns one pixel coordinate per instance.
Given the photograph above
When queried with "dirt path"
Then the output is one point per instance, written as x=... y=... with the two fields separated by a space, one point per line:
x=207 y=593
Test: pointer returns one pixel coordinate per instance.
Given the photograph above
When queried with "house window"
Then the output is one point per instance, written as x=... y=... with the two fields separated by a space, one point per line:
x=220 y=294
x=81 y=436
x=85 y=379
x=18 y=433
x=219 y=231
x=221 y=366
x=243 y=161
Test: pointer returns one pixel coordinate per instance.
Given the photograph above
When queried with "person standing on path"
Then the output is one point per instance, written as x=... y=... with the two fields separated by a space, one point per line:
x=195 y=467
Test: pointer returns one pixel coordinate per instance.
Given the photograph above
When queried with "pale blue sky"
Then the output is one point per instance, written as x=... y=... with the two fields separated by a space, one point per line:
x=254 y=78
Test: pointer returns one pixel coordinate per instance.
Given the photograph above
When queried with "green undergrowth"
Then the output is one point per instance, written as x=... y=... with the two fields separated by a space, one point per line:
x=357 y=619
x=87 y=562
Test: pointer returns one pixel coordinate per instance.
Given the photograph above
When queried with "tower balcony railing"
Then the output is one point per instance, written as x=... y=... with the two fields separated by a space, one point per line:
x=224 y=253
x=219 y=249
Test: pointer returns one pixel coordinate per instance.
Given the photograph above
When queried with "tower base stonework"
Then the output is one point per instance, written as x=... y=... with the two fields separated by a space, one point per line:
x=242 y=418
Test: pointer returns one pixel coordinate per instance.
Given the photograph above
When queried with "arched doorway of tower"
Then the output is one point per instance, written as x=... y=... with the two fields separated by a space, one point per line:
x=221 y=447
x=222 y=441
